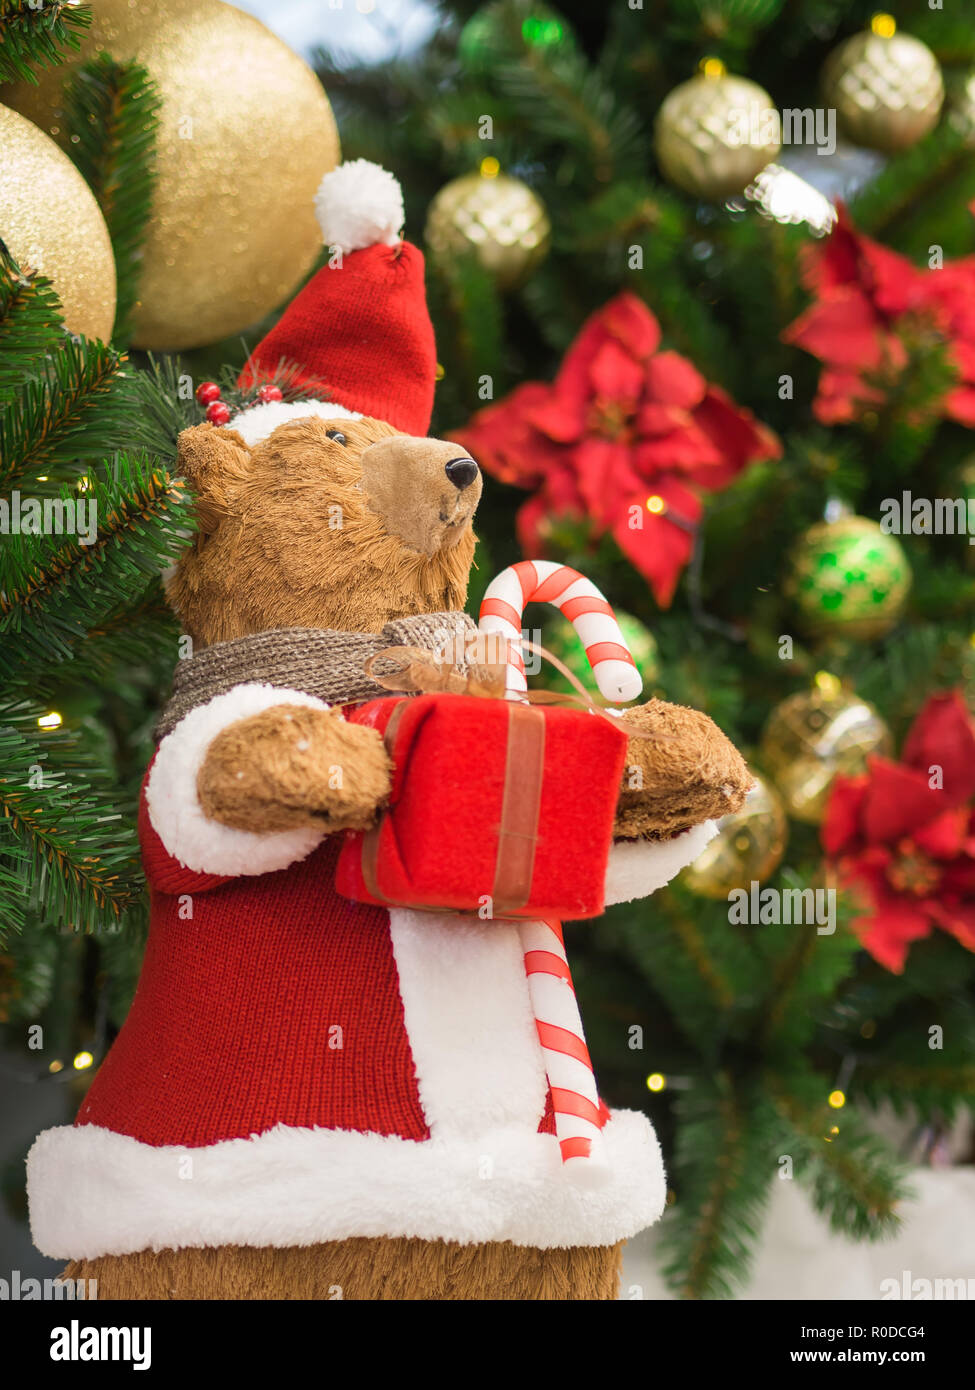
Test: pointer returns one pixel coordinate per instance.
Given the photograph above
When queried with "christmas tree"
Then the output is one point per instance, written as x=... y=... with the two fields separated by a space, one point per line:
x=703 y=282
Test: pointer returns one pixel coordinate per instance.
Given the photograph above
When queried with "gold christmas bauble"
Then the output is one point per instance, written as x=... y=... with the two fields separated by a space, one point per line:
x=849 y=578
x=886 y=87
x=496 y=216
x=961 y=106
x=246 y=133
x=747 y=849
x=51 y=223
x=714 y=133
x=811 y=737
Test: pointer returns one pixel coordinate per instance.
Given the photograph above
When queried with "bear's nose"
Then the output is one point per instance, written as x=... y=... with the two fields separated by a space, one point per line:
x=461 y=472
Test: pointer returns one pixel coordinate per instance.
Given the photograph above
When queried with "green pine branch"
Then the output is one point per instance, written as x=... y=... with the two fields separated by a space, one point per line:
x=35 y=36
x=57 y=589
x=71 y=848
x=30 y=322
x=112 y=113
x=72 y=407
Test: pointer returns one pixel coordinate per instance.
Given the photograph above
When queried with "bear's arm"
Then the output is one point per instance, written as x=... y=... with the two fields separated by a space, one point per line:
x=251 y=781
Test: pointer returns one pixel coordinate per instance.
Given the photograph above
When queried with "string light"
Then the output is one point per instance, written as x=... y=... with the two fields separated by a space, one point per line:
x=836 y=1100
x=439 y=372
x=56 y=1066
x=82 y=1061
x=656 y=1081
x=490 y=167
x=50 y=721
x=656 y=504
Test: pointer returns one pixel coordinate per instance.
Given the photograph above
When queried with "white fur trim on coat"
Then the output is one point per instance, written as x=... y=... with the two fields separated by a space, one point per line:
x=259 y=422
x=638 y=868
x=200 y=844
x=94 y=1192
x=470 y=1023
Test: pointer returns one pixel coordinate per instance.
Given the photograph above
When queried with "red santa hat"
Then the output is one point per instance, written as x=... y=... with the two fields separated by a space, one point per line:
x=359 y=334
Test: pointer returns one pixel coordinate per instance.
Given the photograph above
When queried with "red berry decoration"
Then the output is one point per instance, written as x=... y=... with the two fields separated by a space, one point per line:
x=269 y=393
x=207 y=391
x=218 y=413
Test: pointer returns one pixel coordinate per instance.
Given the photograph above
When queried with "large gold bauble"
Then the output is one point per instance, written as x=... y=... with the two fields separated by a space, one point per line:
x=714 y=134
x=51 y=223
x=246 y=133
x=747 y=849
x=887 y=89
x=811 y=737
x=499 y=218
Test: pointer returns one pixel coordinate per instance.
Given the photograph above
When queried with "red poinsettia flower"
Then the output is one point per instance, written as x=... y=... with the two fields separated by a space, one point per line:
x=627 y=436
x=865 y=296
x=902 y=835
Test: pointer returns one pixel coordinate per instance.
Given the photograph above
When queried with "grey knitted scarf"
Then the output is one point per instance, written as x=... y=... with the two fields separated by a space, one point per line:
x=324 y=662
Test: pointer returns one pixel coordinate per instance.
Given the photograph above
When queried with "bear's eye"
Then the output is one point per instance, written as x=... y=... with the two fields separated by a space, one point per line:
x=337 y=435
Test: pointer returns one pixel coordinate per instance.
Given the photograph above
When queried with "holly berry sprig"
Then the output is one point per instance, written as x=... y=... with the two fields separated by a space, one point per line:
x=217 y=411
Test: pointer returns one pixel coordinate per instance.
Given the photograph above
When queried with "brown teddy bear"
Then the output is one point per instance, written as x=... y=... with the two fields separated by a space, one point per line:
x=314 y=1097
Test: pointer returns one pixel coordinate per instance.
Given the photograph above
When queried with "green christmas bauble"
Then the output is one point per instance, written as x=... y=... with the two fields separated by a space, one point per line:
x=747 y=849
x=490 y=35
x=814 y=735
x=561 y=639
x=849 y=578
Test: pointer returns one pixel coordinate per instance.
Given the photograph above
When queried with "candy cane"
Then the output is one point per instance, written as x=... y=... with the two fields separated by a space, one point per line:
x=544 y=581
x=579 y=1113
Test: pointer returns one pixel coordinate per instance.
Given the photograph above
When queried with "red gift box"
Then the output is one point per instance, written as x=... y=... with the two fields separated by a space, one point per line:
x=496 y=806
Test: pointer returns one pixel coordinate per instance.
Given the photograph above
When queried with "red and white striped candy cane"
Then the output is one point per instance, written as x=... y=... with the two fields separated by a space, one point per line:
x=578 y=599
x=579 y=1113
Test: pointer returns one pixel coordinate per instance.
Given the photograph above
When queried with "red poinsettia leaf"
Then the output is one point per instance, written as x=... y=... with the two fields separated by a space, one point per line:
x=616 y=376
x=625 y=321
x=943 y=736
x=559 y=417
x=843 y=395
x=945 y=836
x=503 y=441
x=653 y=419
x=957 y=918
x=843 y=329
x=960 y=405
x=660 y=548
x=898 y=801
x=681 y=449
x=606 y=478
x=840 y=826
x=672 y=380
x=734 y=431
x=891 y=921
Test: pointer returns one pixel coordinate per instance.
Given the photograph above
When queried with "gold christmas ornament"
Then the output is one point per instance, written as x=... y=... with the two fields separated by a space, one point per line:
x=246 y=134
x=849 y=578
x=498 y=217
x=747 y=849
x=51 y=223
x=886 y=87
x=961 y=106
x=811 y=737
x=714 y=133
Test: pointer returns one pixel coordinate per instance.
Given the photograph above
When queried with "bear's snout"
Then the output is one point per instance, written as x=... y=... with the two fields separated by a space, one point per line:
x=423 y=489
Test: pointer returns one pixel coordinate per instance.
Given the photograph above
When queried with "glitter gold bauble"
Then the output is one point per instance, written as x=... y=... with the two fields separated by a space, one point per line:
x=811 y=737
x=849 y=578
x=498 y=217
x=961 y=106
x=51 y=223
x=713 y=134
x=747 y=849
x=246 y=133
x=887 y=89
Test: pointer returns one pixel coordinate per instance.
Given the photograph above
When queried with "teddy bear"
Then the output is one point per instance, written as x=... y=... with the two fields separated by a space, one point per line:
x=314 y=1097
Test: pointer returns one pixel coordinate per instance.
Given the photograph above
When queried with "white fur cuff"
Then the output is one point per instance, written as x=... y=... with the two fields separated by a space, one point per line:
x=638 y=868
x=200 y=844
x=94 y=1192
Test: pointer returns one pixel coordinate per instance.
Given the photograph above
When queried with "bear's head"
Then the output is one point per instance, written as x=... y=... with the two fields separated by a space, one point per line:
x=340 y=522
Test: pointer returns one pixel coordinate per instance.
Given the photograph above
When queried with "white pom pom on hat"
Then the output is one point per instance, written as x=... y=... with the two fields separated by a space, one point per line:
x=359 y=204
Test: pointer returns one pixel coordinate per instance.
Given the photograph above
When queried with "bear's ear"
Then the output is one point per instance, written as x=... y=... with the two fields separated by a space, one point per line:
x=213 y=460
